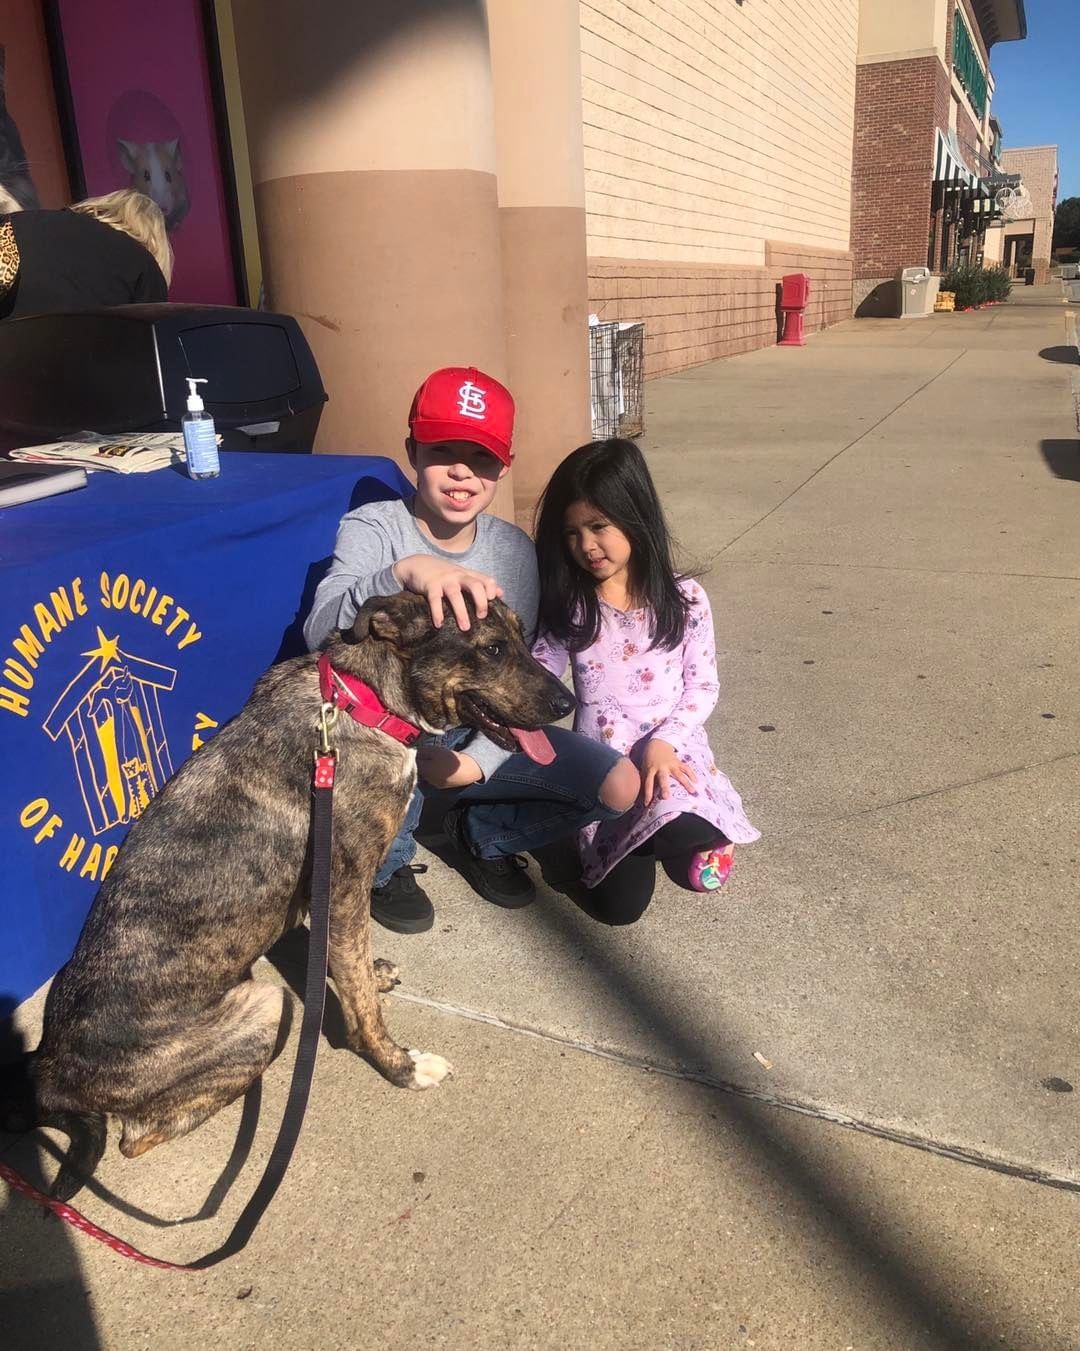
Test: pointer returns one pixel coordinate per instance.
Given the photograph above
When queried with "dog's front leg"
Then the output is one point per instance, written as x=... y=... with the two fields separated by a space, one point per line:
x=353 y=971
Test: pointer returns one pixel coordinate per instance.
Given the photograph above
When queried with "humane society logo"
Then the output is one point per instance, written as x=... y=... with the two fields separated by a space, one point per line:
x=102 y=707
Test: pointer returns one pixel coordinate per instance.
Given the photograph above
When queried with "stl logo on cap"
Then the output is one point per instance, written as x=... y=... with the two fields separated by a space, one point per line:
x=461 y=403
x=473 y=401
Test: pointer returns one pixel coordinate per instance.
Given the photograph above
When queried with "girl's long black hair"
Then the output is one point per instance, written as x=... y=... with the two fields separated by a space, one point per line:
x=613 y=476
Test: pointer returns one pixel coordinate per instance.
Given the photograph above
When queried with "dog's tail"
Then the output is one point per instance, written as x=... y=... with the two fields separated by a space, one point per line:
x=21 y=1110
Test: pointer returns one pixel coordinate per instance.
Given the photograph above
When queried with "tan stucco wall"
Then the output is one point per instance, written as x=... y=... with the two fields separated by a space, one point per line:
x=707 y=134
x=890 y=30
x=994 y=246
x=372 y=142
x=541 y=194
x=419 y=185
x=537 y=121
x=418 y=94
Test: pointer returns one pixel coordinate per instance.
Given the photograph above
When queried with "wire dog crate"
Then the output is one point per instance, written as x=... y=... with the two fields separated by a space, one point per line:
x=617 y=379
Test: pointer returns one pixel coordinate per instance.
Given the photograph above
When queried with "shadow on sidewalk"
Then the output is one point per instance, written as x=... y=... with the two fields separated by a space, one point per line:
x=919 y=1288
x=1066 y=356
x=1062 y=458
x=43 y=1296
x=911 y=1295
x=911 y=1291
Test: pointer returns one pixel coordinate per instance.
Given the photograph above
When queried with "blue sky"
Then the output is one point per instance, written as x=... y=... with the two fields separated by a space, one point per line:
x=1037 y=100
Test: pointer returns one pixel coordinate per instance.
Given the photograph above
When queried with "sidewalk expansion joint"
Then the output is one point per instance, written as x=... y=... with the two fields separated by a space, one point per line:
x=748 y=560
x=843 y=449
x=974 y=1158
x=952 y=787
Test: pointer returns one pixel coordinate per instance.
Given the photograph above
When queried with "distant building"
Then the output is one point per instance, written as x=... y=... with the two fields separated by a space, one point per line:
x=926 y=173
x=1022 y=237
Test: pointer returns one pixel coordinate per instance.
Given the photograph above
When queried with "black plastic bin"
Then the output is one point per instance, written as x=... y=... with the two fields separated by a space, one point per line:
x=124 y=369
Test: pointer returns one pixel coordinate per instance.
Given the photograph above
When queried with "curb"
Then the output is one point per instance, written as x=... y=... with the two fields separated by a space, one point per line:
x=1072 y=337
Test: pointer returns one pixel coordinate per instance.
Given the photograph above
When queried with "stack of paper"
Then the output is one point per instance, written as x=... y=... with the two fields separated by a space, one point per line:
x=126 y=453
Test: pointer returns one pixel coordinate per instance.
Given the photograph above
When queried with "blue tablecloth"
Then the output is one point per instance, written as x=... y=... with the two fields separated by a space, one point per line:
x=135 y=616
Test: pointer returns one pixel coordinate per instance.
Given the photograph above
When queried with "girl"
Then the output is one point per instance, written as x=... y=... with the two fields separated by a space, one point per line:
x=640 y=641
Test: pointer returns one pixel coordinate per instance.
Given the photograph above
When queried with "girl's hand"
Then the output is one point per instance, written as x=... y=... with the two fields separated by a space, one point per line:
x=444 y=768
x=441 y=581
x=659 y=765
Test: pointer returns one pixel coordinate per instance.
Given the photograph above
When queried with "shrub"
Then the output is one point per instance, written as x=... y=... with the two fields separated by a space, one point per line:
x=976 y=285
x=966 y=283
x=998 y=282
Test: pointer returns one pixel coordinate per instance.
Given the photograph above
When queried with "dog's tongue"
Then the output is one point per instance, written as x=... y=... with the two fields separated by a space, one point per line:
x=535 y=745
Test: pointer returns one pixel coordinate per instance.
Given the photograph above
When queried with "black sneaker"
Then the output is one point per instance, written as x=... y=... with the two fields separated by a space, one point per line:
x=502 y=881
x=400 y=904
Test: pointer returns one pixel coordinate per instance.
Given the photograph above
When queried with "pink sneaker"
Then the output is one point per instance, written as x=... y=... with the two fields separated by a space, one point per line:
x=710 y=869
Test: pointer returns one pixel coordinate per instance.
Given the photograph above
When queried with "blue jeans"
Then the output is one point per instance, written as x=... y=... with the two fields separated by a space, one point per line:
x=523 y=805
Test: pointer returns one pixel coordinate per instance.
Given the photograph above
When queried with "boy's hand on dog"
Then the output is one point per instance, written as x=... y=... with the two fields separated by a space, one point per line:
x=440 y=581
x=659 y=765
x=444 y=768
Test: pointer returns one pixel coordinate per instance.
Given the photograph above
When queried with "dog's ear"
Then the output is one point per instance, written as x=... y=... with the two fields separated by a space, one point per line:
x=403 y=619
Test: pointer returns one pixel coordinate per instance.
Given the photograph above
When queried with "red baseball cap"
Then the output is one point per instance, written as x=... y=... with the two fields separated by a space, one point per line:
x=460 y=403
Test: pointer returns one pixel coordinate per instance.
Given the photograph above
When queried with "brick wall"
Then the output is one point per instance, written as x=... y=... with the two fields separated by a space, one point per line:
x=943 y=97
x=897 y=106
x=694 y=314
x=710 y=129
x=967 y=134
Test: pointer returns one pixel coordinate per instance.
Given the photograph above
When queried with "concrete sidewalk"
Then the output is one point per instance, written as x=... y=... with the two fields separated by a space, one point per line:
x=889 y=522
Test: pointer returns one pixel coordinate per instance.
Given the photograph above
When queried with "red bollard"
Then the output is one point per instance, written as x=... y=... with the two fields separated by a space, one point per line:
x=794 y=298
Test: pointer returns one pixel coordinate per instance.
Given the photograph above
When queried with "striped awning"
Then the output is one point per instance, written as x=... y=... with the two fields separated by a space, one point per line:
x=955 y=185
x=949 y=166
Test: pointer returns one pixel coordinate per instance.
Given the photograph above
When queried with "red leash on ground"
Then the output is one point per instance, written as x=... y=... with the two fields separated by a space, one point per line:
x=303 y=1069
x=79 y=1221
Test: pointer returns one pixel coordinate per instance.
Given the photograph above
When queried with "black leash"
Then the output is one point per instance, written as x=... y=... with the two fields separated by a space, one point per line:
x=303 y=1069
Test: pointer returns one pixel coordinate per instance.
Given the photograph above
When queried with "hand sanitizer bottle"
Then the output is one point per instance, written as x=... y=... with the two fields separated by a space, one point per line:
x=200 y=438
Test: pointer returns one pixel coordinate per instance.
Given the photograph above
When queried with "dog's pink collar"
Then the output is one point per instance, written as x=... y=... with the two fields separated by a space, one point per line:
x=361 y=703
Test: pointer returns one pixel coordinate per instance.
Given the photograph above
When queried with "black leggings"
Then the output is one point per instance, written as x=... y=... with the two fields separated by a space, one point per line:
x=623 y=896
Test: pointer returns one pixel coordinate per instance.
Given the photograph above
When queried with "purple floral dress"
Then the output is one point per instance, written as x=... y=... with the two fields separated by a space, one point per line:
x=628 y=693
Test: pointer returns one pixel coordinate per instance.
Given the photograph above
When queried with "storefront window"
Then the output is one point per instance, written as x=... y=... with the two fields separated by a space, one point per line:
x=966 y=64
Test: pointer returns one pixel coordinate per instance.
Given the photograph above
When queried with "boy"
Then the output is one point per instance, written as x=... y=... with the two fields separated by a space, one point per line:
x=443 y=544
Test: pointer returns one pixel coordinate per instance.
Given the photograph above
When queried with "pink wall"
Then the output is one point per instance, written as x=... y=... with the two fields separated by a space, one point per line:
x=138 y=75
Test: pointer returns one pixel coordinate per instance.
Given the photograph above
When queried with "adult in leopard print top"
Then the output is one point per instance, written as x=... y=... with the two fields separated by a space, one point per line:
x=108 y=250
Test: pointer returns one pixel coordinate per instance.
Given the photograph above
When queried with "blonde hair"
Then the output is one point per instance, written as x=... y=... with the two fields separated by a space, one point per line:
x=138 y=216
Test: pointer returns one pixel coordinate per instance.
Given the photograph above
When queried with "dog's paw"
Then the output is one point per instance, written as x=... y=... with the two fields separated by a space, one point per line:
x=386 y=975
x=430 y=1070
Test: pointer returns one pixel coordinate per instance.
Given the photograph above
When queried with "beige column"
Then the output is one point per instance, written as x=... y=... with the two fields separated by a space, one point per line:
x=536 y=67
x=371 y=134
x=993 y=249
x=1041 y=248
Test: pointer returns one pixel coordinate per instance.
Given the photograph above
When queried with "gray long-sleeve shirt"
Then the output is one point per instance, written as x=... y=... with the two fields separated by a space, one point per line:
x=371 y=539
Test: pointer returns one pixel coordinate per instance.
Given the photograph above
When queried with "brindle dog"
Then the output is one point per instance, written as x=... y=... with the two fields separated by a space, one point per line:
x=156 y=1019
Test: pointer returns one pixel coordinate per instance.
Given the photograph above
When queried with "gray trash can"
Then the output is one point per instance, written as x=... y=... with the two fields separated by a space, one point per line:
x=1068 y=271
x=913 y=285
